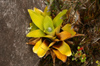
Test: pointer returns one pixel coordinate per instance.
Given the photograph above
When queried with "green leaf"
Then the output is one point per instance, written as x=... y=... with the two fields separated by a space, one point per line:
x=58 y=19
x=78 y=47
x=48 y=25
x=35 y=33
x=33 y=26
x=36 y=18
x=73 y=59
x=82 y=60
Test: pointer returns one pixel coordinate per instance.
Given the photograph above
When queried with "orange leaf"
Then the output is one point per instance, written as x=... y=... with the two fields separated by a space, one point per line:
x=64 y=35
x=60 y=56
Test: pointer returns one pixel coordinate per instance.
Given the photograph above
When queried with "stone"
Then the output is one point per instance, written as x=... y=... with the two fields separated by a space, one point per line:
x=14 y=21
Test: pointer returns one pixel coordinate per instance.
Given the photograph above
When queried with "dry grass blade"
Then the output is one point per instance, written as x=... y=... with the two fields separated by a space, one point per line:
x=76 y=36
x=33 y=41
x=53 y=57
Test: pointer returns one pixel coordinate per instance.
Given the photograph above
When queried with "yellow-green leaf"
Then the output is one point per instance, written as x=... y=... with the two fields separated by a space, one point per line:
x=33 y=26
x=62 y=47
x=48 y=25
x=57 y=29
x=38 y=11
x=58 y=19
x=50 y=36
x=36 y=18
x=46 y=11
x=69 y=29
x=35 y=33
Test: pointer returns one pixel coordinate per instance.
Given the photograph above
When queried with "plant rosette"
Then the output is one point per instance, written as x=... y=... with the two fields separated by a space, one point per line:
x=47 y=34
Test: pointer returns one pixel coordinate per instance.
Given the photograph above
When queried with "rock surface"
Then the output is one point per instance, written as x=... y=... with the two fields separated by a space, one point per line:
x=14 y=21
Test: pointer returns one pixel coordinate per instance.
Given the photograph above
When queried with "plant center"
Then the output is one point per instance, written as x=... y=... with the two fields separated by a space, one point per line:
x=49 y=29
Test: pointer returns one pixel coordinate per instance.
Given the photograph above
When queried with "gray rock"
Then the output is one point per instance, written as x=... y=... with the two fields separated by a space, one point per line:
x=14 y=21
